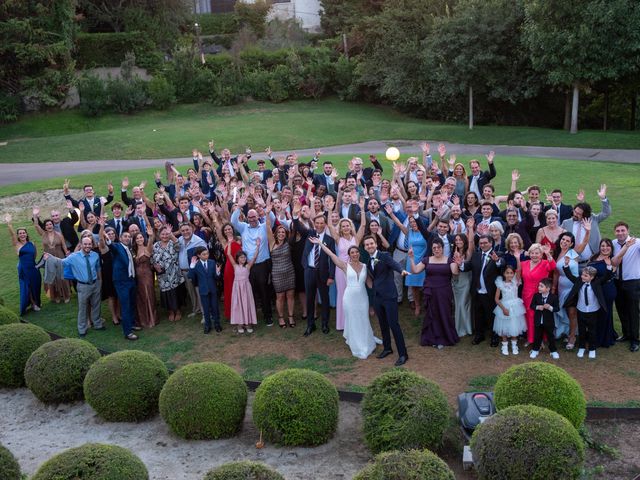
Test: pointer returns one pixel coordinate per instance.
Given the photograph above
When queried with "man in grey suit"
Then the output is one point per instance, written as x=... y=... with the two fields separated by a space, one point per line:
x=583 y=210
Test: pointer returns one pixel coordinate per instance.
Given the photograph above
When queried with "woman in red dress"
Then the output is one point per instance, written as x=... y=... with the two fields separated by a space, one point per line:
x=226 y=235
x=533 y=271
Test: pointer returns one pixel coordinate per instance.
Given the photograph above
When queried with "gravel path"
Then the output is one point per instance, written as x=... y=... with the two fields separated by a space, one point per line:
x=19 y=172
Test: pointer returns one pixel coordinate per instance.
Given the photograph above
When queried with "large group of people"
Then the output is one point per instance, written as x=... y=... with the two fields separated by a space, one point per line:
x=517 y=269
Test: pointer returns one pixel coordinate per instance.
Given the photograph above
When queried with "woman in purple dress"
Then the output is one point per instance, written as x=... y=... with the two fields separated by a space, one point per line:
x=438 y=326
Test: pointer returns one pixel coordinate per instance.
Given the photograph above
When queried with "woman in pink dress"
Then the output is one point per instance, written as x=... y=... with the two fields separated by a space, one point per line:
x=534 y=270
x=345 y=236
x=243 y=307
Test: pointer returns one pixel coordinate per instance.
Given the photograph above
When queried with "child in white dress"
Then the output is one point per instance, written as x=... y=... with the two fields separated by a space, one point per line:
x=509 y=313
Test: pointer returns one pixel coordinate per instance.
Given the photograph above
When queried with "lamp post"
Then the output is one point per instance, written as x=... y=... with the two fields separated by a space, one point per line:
x=199 y=40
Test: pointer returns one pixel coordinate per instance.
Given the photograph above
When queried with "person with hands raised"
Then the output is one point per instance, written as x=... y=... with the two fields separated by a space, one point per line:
x=627 y=258
x=28 y=275
x=478 y=178
x=539 y=266
x=243 y=308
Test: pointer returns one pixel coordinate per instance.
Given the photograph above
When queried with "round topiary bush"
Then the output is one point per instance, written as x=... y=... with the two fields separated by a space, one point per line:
x=9 y=467
x=93 y=461
x=204 y=401
x=243 y=471
x=544 y=385
x=408 y=465
x=17 y=342
x=7 y=316
x=55 y=372
x=296 y=407
x=403 y=410
x=124 y=386
x=526 y=442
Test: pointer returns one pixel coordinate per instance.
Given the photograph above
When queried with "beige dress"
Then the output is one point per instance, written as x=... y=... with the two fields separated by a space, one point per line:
x=60 y=288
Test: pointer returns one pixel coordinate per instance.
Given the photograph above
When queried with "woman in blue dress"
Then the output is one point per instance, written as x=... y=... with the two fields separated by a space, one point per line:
x=28 y=274
x=605 y=333
x=415 y=281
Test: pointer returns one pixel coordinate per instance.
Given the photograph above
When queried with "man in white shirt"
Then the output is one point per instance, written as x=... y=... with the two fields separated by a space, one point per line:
x=627 y=258
x=188 y=242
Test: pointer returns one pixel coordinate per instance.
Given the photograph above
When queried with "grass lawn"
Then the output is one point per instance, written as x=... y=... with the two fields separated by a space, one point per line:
x=272 y=349
x=67 y=135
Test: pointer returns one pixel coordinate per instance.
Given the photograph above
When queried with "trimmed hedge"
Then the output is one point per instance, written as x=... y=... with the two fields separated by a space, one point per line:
x=204 y=401
x=9 y=466
x=544 y=385
x=526 y=442
x=407 y=465
x=217 y=23
x=124 y=386
x=55 y=372
x=93 y=461
x=403 y=410
x=296 y=407
x=17 y=342
x=109 y=49
x=7 y=316
x=245 y=470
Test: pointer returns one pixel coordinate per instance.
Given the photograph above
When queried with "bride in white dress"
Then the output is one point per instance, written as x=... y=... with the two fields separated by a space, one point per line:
x=357 y=328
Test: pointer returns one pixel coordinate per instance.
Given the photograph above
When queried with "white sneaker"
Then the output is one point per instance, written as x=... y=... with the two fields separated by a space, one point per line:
x=555 y=355
x=580 y=352
x=249 y=330
x=505 y=348
x=533 y=354
x=514 y=348
x=592 y=354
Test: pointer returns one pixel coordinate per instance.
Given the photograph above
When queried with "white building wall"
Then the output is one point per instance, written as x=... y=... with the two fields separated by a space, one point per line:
x=306 y=11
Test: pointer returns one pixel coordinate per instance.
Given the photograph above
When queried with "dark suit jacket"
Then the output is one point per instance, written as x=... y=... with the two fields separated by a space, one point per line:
x=596 y=284
x=566 y=211
x=97 y=206
x=485 y=177
x=68 y=229
x=120 y=263
x=204 y=280
x=124 y=225
x=354 y=214
x=491 y=272
x=367 y=172
x=545 y=315
x=326 y=268
x=382 y=275
x=320 y=179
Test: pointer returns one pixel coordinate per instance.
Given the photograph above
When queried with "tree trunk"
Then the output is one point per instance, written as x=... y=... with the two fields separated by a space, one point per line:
x=574 y=109
x=605 y=120
x=634 y=106
x=567 y=112
x=470 y=107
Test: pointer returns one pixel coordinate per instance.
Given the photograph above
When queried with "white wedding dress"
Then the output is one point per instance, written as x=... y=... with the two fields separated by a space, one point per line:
x=355 y=304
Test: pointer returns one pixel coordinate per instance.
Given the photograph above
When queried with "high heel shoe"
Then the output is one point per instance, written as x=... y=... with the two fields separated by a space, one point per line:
x=281 y=323
x=292 y=322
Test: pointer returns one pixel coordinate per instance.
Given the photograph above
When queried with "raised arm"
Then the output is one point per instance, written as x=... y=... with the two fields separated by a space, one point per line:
x=270 y=236
x=586 y=223
x=389 y=209
x=255 y=255
x=414 y=268
x=334 y=258
x=12 y=233
x=363 y=222
x=36 y=221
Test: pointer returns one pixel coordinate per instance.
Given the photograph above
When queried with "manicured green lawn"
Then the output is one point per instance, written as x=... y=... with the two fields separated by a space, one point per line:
x=67 y=135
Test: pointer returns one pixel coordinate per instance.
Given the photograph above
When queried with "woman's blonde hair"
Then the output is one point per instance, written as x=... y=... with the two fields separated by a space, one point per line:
x=510 y=237
x=534 y=246
x=350 y=222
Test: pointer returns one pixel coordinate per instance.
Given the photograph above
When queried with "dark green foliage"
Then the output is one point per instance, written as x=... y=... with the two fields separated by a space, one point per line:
x=526 y=442
x=544 y=385
x=218 y=23
x=259 y=59
x=93 y=461
x=225 y=40
x=7 y=316
x=124 y=386
x=94 y=100
x=126 y=96
x=161 y=93
x=253 y=15
x=245 y=470
x=9 y=108
x=17 y=342
x=407 y=465
x=296 y=407
x=55 y=372
x=220 y=63
x=402 y=410
x=9 y=467
x=109 y=49
x=204 y=401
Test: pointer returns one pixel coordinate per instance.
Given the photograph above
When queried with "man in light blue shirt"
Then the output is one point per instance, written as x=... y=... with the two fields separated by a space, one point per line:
x=261 y=270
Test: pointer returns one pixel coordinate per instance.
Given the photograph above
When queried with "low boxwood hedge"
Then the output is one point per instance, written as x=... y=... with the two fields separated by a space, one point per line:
x=17 y=342
x=406 y=465
x=544 y=385
x=124 y=386
x=7 y=316
x=204 y=401
x=93 y=461
x=243 y=471
x=55 y=372
x=9 y=466
x=296 y=407
x=402 y=410
x=527 y=442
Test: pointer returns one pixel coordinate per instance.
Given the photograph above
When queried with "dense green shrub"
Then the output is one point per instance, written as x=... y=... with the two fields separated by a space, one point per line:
x=407 y=465
x=526 y=442
x=93 y=461
x=346 y=78
x=296 y=407
x=94 y=100
x=9 y=108
x=124 y=386
x=245 y=470
x=258 y=59
x=162 y=93
x=127 y=96
x=253 y=15
x=218 y=23
x=403 y=410
x=7 y=316
x=9 y=466
x=224 y=40
x=544 y=385
x=220 y=63
x=17 y=342
x=109 y=49
x=204 y=401
x=55 y=372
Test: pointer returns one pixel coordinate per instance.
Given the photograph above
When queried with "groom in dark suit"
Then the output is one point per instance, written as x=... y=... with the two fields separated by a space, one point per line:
x=381 y=268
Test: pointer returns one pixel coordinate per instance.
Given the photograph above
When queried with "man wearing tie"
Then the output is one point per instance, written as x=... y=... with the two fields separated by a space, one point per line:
x=140 y=219
x=544 y=304
x=203 y=273
x=478 y=179
x=118 y=223
x=564 y=211
x=627 y=258
x=124 y=280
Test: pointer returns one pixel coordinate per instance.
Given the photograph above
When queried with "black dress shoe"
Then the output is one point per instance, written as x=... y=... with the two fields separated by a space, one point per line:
x=402 y=359
x=494 y=341
x=207 y=330
x=384 y=353
x=309 y=330
x=218 y=328
x=325 y=329
x=477 y=339
x=622 y=338
x=634 y=347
